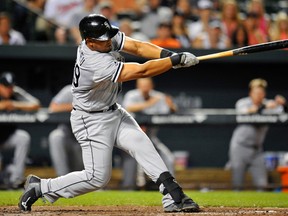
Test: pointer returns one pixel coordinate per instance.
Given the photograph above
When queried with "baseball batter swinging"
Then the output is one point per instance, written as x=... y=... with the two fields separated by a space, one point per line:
x=99 y=123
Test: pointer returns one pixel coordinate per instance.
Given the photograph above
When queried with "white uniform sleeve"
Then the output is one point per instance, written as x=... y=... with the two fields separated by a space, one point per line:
x=118 y=41
x=242 y=106
x=22 y=95
x=108 y=68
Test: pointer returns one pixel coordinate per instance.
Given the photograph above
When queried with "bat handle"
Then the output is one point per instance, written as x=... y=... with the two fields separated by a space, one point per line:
x=216 y=55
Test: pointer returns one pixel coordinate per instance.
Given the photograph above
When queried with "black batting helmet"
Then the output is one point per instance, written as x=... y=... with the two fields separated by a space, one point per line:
x=98 y=27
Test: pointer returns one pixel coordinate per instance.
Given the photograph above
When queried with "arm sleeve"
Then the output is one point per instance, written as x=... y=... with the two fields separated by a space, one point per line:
x=109 y=68
x=118 y=41
x=22 y=95
x=242 y=106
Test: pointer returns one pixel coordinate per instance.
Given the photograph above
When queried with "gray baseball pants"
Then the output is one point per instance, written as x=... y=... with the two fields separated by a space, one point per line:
x=97 y=134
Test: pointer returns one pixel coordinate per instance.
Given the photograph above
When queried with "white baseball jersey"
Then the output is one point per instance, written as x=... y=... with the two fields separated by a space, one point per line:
x=96 y=88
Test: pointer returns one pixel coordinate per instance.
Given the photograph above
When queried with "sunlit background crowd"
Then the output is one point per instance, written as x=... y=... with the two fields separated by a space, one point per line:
x=199 y=24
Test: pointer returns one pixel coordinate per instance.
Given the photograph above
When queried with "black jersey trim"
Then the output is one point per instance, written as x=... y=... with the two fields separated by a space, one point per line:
x=118 y=71
x=122 y=42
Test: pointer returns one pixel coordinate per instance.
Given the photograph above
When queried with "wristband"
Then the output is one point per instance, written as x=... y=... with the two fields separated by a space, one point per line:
x=165 y=53
x=175 y=59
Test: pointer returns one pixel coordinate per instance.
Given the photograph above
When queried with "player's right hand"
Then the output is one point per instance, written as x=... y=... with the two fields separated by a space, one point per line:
x=186 y=60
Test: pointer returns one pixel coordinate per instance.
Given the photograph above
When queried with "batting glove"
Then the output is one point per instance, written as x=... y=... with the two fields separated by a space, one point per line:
x=183 y=59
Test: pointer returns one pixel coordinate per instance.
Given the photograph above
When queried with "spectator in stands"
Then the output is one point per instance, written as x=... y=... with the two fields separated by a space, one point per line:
x=27 y=18
x=217 y=38
x=60 y=11
x=107 y=9
x=262 y=19
x=126 y=26
x=230 y=16
x=152 y=15
x=89 y=7
x=200 y=29
x=179 y=29
x=255 y=34
x=145 y=99
x=59 y=14
x=14 y=98
x=64 y=149
x=279 y=29
x=213 y=37
x=165 y=37
x=246 y=145
x=61 y=36
x=8 y=35
x=239 y=37
x=185 y=8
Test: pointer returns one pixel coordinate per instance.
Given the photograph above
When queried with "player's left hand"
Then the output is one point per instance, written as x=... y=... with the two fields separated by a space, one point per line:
x=281 y=100
x=187 y=60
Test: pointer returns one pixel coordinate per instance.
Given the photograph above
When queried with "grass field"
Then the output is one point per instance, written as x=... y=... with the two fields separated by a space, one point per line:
x=153 y=198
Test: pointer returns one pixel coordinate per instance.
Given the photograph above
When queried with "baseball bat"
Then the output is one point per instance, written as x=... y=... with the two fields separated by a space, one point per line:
x=273 y=45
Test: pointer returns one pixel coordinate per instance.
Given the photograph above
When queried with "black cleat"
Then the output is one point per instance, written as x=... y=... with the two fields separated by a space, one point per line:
x=186 y=205
x=174 y=207
x=31 y=193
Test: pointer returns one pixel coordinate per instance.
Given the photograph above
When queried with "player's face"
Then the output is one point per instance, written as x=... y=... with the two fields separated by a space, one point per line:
x=100 y=46
x=145 y=85
x=257 y=95
x=6 y=91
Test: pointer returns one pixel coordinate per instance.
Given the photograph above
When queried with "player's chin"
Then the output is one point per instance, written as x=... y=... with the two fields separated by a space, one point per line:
x=106 y=49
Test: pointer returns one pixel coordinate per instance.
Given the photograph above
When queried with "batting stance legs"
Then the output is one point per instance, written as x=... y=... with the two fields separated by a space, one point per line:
x=118 y=129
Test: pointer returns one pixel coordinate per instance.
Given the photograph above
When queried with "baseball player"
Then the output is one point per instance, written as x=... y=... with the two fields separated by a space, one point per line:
x=64 y=149
x=246 y=145
x=145 y=99
x=100 y=123
x=14 y=98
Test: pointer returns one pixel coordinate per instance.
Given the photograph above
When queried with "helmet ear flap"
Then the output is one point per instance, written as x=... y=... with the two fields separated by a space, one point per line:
x=98 y=27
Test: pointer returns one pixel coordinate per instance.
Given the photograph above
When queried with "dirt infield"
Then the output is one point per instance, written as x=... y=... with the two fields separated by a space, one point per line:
x=138 y=211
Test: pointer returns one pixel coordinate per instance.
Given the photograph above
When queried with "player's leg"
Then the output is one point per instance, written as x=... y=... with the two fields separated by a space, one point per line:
x=58 y=151
x=165 y=153
x=76 y=161
x=240 y=157
x=131 y=138
x=97 y=144
x=258 y=171
x=20 y=142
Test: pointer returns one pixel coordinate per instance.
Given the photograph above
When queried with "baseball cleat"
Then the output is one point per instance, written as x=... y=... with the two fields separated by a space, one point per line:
x=31 y=193
x=186 y=205
x=174 y=207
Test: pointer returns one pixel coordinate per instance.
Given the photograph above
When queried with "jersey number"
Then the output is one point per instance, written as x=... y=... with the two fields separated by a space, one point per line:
x=76 y=75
